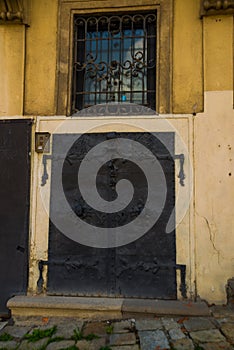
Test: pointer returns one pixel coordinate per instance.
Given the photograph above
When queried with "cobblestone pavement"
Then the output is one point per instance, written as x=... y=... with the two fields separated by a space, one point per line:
x=158 y=333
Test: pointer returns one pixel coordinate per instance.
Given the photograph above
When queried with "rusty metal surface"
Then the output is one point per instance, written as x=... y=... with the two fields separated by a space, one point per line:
x=143 y=268
x=15 y=138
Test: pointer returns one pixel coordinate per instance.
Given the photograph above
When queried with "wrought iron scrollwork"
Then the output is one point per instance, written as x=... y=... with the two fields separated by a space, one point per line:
x=114 y=60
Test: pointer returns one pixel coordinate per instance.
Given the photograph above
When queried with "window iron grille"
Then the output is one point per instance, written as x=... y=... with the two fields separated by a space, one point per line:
x=114 y=60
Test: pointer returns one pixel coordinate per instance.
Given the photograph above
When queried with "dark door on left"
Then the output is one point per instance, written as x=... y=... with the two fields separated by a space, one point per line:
x=15 y=144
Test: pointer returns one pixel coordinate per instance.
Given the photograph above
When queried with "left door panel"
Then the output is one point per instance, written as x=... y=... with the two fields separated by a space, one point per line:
x=15 y=146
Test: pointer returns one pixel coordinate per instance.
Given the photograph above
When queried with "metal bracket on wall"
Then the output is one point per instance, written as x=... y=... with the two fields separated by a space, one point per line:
x=40 y=281
x=45 y=175
x=183 y=288
x=181 y=174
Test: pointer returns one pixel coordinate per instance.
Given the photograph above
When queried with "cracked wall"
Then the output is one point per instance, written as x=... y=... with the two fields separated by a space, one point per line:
x=214 y=195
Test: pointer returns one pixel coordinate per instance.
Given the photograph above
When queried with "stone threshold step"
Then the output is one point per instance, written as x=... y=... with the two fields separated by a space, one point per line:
x=102 y=308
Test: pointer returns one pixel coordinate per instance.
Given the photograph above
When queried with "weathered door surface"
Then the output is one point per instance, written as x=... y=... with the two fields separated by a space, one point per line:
x=15 y=142
x=145 y=267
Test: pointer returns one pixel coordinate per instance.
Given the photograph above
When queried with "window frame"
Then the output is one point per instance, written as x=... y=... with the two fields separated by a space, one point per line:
x=69 y=8
x=108 y=80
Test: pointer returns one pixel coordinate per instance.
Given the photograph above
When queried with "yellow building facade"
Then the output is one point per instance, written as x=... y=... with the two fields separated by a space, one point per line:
x=194 y=96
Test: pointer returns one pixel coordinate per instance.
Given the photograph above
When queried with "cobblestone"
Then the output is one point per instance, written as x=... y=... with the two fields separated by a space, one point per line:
x=212 y=335
x=15 y=331
x=151 y=340
x=123 y=339
x=99 y=328
x=170 y=323
x=217 y=346
x=183 y=344
x=122 y=326
x=83 y=345
x=66 y=330
x=63 y=344
x=198 y=324
x=176 y=334
x=96 y=344
x=26 y=345
x=148 y=325
x=2 y=325
x=161 y=333
x=126 y=347
x=8 y=345
x=228 y=331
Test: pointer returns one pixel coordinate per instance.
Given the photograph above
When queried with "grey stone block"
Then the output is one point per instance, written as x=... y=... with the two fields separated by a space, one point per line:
x=198 y=324
x=82 y=345
x=228 y=331
x=123 y=339
x=8 y=345
x=217 y=346
x=223 y=312
x=176 y=334
x=2 y=325
x=183 y=344
x=148 y=324
x=16 y=331
x=98 y=328
x=212 y=335
x=151 y=340
x=95 y=344
x=126 y=347
x=63 y=344
x=165 y=307
x=66 y=330
x=26 y=345
x=122 y=326
x=170 y=323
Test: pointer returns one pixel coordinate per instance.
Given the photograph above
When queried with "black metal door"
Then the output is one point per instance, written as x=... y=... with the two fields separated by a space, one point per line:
x=145 y=267
x=15 y=143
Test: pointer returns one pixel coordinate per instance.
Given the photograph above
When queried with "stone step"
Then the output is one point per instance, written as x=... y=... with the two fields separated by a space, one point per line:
x=101 y=308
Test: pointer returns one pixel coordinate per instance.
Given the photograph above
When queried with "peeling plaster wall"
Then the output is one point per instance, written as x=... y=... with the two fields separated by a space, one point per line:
x=214 y=195
x=214 y=164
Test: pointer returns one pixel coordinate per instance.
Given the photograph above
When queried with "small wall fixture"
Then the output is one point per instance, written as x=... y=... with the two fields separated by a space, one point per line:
x=42 y=143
